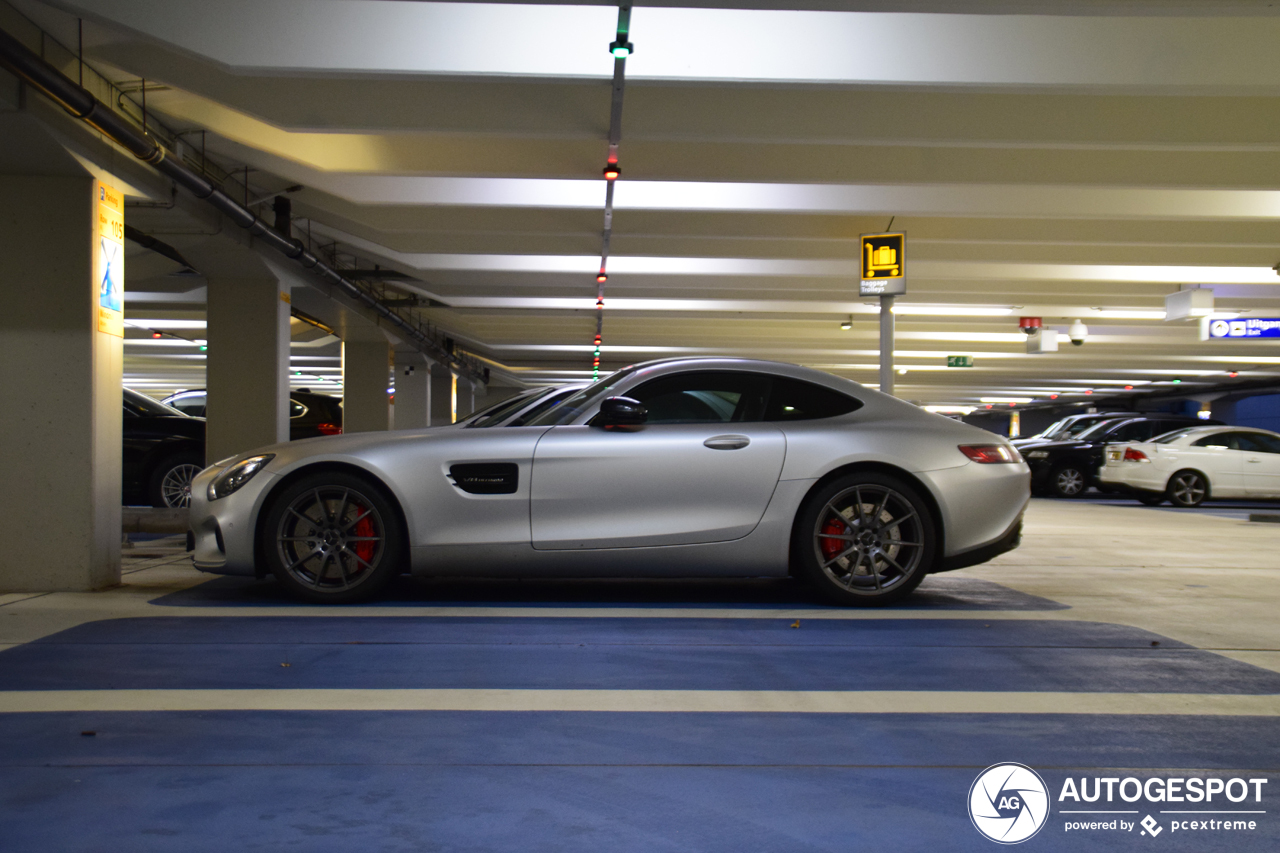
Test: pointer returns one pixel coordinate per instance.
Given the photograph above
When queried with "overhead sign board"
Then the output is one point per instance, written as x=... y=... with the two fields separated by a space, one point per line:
x=959 y=361
x=884 y=264
x=108 y=257
x=1253 y=328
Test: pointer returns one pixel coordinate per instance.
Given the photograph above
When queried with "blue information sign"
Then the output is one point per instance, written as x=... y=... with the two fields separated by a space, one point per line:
x=1253 y=327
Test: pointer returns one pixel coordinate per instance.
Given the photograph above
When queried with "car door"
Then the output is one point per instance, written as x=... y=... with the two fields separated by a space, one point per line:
x=1217 y=457
x=1261 y=466
x=701 y=469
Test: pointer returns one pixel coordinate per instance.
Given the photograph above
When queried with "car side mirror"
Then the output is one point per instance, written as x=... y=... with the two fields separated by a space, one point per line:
x=621 y=411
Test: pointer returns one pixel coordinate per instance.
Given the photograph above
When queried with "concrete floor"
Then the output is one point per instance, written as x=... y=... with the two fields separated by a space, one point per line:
x=179 y=712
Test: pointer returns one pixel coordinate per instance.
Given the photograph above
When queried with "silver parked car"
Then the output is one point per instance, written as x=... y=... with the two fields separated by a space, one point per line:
x=685 y=467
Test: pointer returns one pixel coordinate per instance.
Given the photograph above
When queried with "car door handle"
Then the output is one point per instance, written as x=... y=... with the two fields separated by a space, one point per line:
x=1253 y=460
x=727 y=442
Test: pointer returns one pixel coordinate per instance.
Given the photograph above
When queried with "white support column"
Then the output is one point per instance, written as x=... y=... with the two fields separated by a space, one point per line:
x=886 y=344
x=413 y=389
x=466 y=397
x=60 y=379
x=441 y=410
x=247 y=371
x=365 y=375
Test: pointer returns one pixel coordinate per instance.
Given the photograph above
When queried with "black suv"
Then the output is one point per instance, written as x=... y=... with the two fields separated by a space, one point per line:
x=310 y=415
x=1066 y=469
x=163 y=451
x=1069 y=427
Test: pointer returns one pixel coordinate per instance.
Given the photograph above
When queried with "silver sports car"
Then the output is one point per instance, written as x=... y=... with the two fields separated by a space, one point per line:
x=687 y=467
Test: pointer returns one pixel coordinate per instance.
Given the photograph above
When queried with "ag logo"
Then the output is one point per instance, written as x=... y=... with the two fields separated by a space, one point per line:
x=1008 y=803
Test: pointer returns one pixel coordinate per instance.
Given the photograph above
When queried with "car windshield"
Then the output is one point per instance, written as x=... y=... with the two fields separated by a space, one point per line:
x=1055 y=429
x=1089 y=431
x=496 y=414
x=140 y=405
x=1170 y=437
x=582 y=401
x=548 y=402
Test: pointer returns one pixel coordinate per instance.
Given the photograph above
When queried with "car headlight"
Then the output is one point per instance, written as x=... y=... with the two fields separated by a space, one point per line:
x=1037 y=454
x=237 y=475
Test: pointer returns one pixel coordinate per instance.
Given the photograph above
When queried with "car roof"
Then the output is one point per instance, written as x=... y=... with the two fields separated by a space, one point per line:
x=657 y=367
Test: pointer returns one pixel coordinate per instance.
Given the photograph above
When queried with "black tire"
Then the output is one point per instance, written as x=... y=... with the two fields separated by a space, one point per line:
x=884 y=519
x=1187 y=489
x=1150 y=498
x=169 y=485
x=333 y=538
x=1068 y=481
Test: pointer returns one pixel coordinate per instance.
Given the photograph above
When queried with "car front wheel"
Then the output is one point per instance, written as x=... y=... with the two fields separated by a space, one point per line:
x=865 y=539
x=334 y=538
x=1187 y=489
x=170 y=484
x=1068 y=482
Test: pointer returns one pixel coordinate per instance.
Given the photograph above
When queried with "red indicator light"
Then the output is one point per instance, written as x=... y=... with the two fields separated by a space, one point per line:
x=1233 y=374
x=1128 y=387
x=1090 y=391
x=602 y=278
x=988 y=405
x=156 y=335
x=329 y=429
x=612 y=171
x=1053 y=396
x=988 y=454
x=1011 y=405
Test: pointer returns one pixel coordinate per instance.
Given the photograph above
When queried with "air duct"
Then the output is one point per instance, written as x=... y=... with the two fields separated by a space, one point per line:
x=29 y=67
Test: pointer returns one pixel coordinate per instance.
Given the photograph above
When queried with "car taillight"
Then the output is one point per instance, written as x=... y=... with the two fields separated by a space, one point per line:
x=329 y=429
x=1131 y=455
x=990 y=453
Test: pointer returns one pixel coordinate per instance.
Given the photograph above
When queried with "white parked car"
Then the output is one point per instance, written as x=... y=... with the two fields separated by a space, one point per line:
x=1188 y=466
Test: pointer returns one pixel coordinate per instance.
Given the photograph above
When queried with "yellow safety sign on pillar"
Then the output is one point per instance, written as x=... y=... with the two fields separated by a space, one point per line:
x=108 y=257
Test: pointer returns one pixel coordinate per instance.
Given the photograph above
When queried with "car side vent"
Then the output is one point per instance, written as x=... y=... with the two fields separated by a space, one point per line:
x=486 y=478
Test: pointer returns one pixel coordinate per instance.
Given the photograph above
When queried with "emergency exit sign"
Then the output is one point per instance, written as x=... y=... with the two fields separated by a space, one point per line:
x=959 y=361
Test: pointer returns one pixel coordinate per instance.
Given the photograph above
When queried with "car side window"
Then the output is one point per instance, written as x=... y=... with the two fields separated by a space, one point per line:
x=1247 y=442
x=1266 y=443
x=1222 y=439
x=296 y=409
x=708 y=397
x=796 y=400
x=1137 y=431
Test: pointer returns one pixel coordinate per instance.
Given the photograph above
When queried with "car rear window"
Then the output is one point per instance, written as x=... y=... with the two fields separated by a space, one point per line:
x=796 y=400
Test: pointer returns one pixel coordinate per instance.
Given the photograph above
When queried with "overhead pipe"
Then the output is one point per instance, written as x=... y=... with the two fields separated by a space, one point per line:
x=79 y=102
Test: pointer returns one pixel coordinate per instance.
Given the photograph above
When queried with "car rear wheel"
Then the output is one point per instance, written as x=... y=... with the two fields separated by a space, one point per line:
x=1068 y=481
x=1187 y=489
x=865 y=539
x=333 y=537
x=170 y=483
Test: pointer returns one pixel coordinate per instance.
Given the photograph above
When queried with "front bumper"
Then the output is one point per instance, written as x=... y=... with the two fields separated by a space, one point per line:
x=222 y=531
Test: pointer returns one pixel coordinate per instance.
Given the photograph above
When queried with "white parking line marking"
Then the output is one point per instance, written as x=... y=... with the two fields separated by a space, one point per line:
x=662 y=701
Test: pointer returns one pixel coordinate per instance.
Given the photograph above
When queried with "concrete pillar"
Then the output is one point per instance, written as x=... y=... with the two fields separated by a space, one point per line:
x=365 y=375
x=413 y=389
x=247 y=371
x=60 y=376
x=441 y=410
x=886 y=344
x=466 y=398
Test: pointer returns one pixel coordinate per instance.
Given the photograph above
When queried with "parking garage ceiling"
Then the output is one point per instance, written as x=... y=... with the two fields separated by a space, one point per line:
x=1082 y=163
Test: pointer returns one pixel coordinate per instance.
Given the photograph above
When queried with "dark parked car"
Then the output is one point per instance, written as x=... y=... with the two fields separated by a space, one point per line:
x=310 y=415
x=1069 y=427
x=163 y=451
x=1066 y=469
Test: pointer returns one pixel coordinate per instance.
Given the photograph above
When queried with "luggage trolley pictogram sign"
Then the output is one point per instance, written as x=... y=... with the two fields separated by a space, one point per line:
x=884 y=267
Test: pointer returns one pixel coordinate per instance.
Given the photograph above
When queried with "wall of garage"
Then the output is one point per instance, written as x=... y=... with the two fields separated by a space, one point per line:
x=1262 y=411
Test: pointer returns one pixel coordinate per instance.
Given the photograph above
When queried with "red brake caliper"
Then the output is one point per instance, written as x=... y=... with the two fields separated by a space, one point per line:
x=364 y=527
x=831 y=547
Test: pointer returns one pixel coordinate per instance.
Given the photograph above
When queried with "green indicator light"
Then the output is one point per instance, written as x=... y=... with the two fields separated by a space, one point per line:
x=621 y=49
x=204 y=349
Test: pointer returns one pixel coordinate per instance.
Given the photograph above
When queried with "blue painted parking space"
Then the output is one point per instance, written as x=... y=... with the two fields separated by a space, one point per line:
x=620 y=654
x=575 y=782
